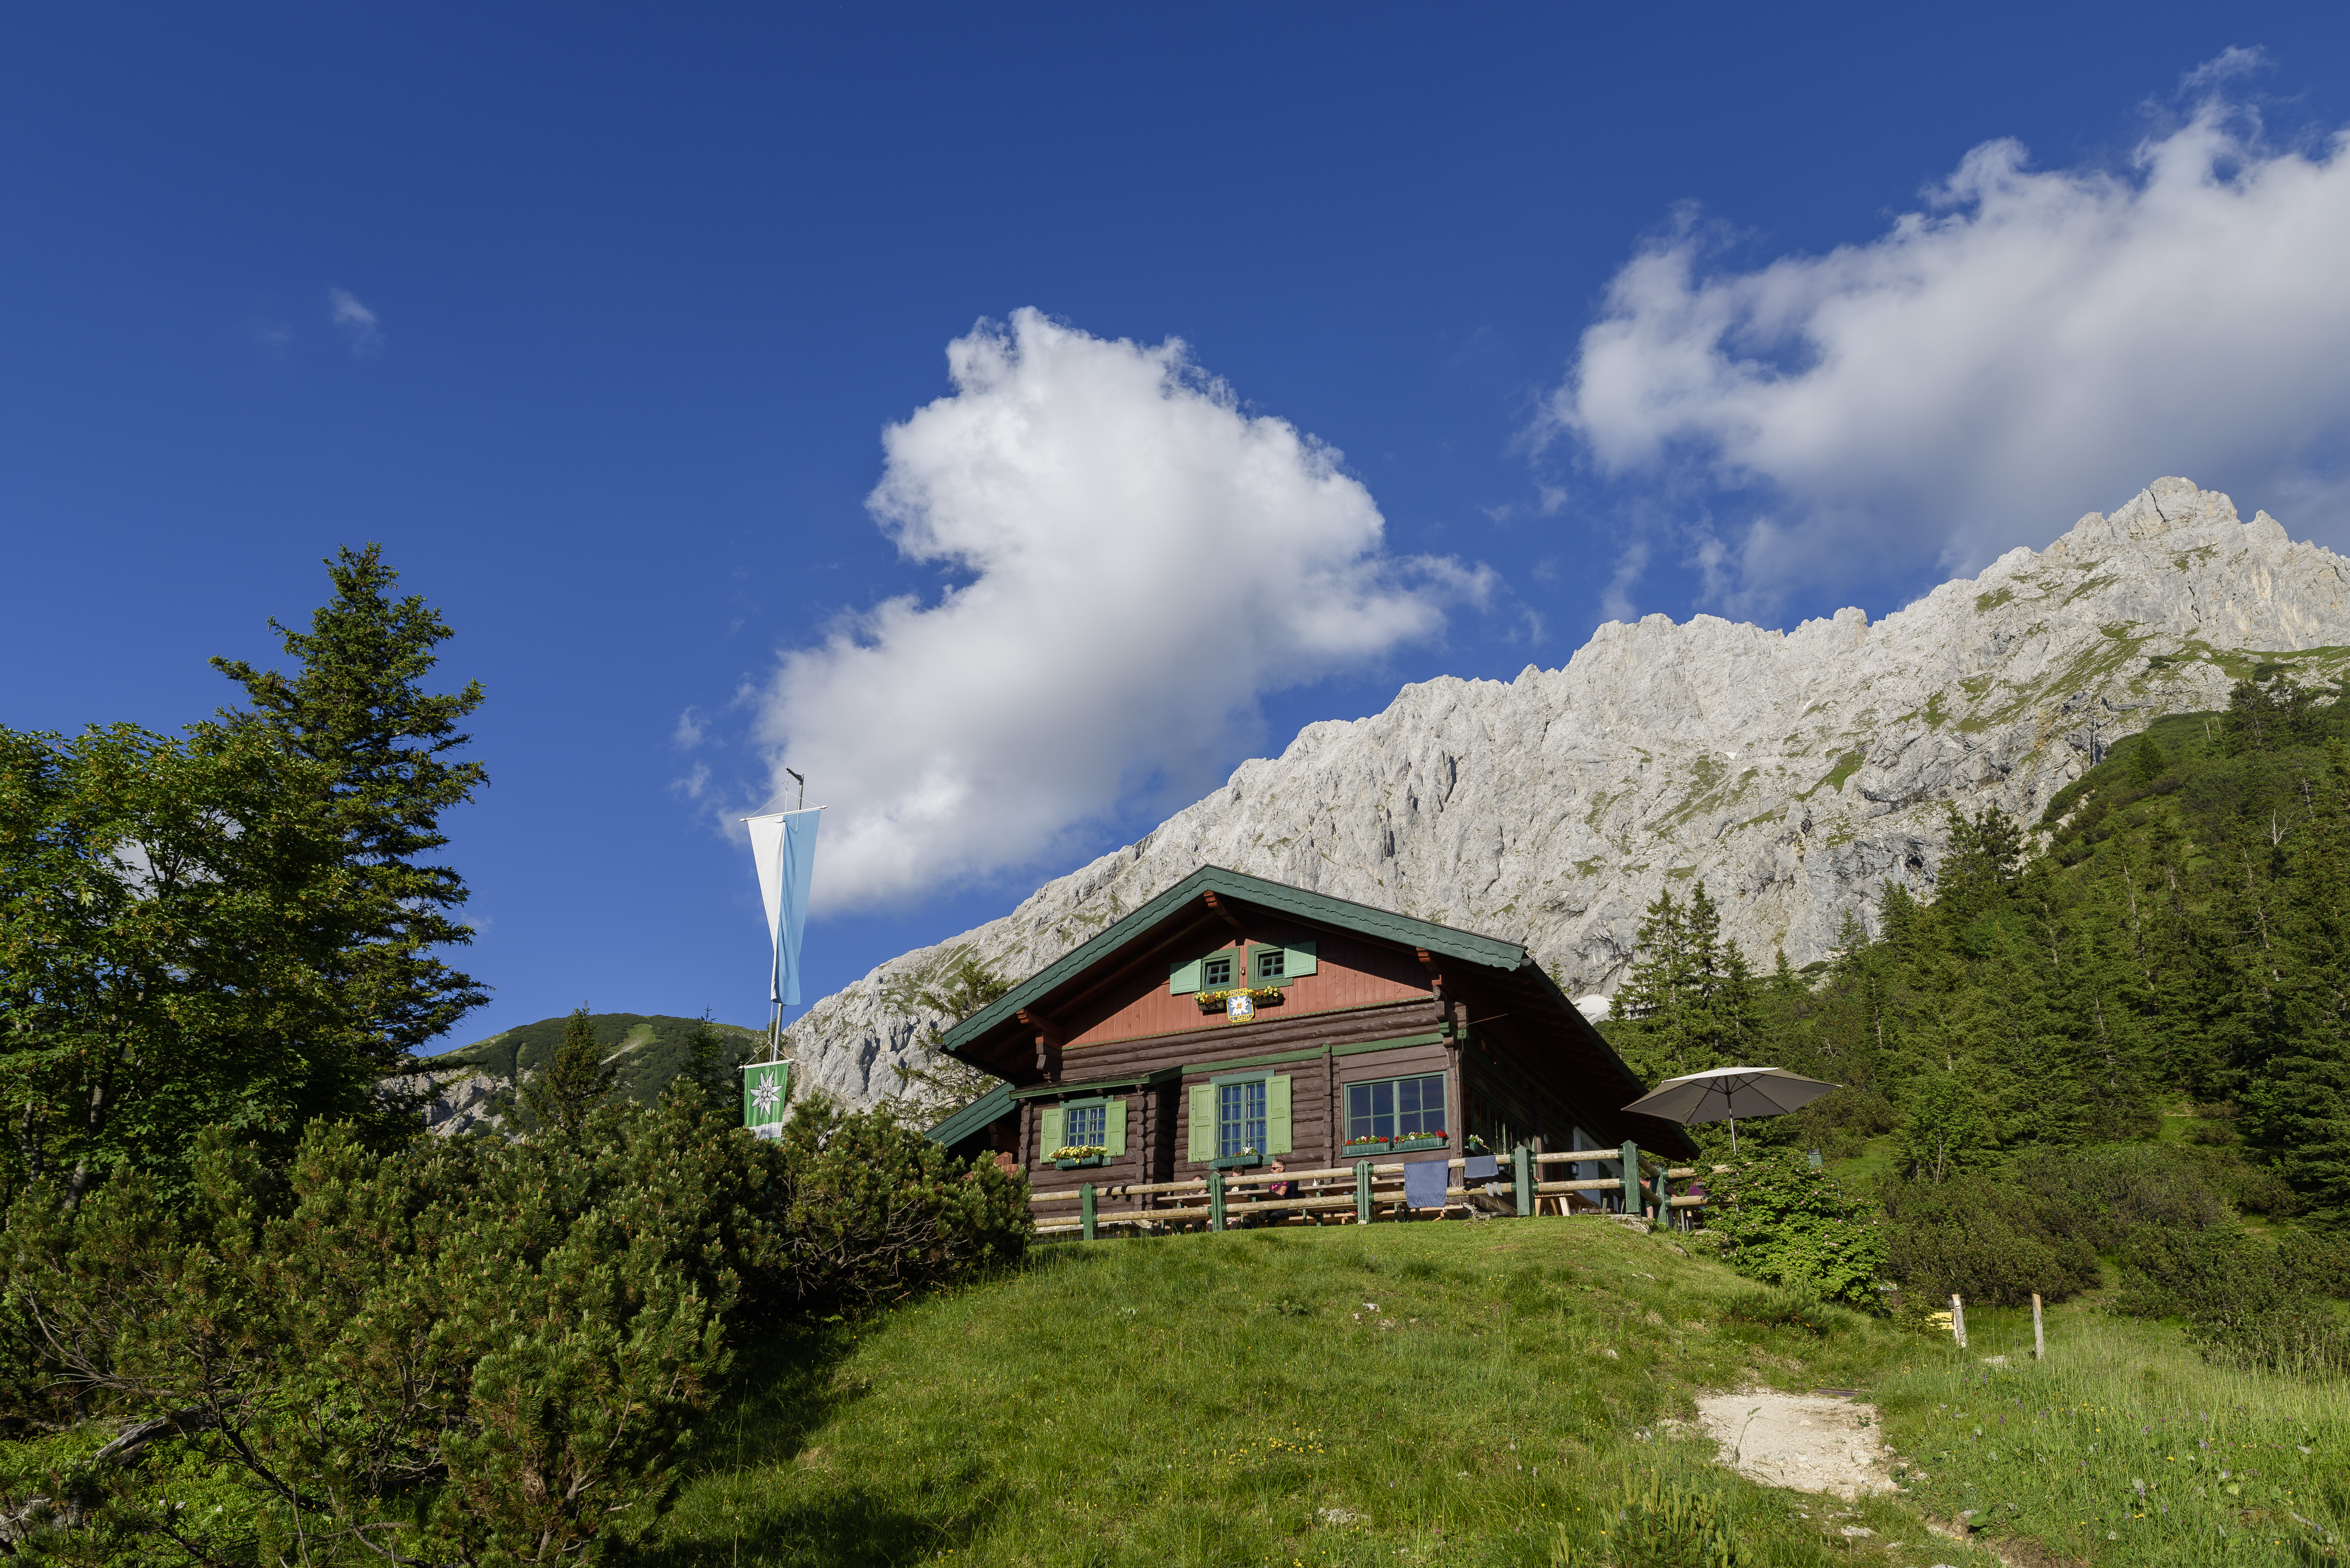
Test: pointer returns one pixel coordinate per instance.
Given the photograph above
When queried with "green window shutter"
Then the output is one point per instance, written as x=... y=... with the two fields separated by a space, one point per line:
x=1183 y=979
x=1300 y=959
x=1114 y=1127
x=1049 y=1123
x=1276 y=1114
x=1203 y=1121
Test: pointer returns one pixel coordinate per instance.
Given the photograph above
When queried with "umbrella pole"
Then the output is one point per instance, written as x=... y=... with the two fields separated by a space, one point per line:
x=1733 y=1137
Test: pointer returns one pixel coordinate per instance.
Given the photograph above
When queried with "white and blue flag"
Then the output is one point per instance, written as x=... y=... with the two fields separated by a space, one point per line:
x=784 y=845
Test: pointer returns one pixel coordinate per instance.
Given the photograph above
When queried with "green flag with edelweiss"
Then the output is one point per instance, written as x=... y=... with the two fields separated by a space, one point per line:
x=765 y=1086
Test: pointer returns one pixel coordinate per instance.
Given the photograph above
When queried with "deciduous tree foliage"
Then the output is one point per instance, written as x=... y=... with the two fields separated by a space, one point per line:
x=231 y=926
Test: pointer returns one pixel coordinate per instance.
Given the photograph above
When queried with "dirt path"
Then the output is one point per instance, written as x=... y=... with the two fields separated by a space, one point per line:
x=1808 y=1442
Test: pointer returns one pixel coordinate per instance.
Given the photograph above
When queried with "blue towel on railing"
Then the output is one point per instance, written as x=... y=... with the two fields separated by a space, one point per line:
x=1480 y=1168
x=1424 y=1182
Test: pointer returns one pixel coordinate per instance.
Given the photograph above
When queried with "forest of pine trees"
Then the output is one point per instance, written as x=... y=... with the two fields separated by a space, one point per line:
x=2171 y=939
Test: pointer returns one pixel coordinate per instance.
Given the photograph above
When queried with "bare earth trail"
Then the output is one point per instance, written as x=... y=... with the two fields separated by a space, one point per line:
x=1806 y=1442
x=1809 y=1442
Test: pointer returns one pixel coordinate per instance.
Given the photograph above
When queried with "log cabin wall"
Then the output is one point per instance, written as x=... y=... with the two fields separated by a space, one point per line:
x=1315 y=1051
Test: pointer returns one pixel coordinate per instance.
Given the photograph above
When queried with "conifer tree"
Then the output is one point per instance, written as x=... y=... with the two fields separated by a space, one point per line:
x=2297 y=1083
x=1786 y=984
x=384 y=753
x=705 y=1066
x=1979 y=869
x=562 y=1095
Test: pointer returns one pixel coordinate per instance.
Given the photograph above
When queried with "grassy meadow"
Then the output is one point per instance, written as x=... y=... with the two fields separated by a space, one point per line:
x=2124 y=1447
x=1470 y=1394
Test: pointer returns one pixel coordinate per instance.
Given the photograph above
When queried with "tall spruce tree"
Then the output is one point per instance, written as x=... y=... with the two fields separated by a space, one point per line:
x=355 y=706
x=1692 y=998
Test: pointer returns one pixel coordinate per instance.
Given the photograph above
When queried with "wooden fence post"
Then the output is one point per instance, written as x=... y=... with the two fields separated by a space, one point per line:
x=1526 y=1174
x=1631 y=1153
x=1215 y=1200
x=1086 y=1207
x=1959 y=1321
x=1362 y=1193
x=2039 y=1340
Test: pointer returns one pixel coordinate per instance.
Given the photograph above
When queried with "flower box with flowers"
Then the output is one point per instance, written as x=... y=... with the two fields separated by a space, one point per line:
x=1406 y=1144
x=1070 y=1156
x=1249 y=1156
x=1368 y=1145
x=1217 y=1000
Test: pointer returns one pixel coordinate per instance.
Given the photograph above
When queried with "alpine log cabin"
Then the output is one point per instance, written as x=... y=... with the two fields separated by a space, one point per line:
x=1231 y=1022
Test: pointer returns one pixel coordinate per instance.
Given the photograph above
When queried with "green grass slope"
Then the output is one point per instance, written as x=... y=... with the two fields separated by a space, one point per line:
x=649 y=1050
x=1462 y=1394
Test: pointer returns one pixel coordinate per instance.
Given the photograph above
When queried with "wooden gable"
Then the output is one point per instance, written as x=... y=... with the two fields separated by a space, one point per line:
x=1139 y=999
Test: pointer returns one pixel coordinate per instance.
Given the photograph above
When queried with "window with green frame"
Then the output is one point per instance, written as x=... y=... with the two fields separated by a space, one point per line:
x=1396 y=1107
x=1085 y=1126
x=1243 y=1116
x=1258 y=963
x=1240 y=1118
x=1082 y=1124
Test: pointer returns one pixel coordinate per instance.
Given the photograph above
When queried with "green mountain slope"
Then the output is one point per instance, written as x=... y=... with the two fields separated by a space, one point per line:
x=648 y=1050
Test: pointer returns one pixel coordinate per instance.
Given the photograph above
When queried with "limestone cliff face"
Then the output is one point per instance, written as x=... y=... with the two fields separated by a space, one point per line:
x=1794 y=773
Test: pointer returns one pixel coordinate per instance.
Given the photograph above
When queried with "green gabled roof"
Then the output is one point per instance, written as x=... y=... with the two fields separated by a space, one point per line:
x=981 y=1113
x=1467 y=946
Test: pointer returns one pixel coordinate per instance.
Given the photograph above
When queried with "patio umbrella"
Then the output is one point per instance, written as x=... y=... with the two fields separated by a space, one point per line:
x=1726 y=1094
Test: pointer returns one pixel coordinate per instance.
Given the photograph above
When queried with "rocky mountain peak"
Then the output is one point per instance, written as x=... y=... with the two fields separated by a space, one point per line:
x=1795 y=773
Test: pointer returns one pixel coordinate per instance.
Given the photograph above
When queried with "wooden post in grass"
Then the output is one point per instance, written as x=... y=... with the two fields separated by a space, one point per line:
x=1086 y=1207
x=1215 y=1200
x=1631 y=1153
x=1526 y=1174
x=1362 y=1193
x=2039 y=1339
x=1959 y=1321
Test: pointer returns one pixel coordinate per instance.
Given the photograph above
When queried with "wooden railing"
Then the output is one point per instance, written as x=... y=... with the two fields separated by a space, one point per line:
x=1221 y=1194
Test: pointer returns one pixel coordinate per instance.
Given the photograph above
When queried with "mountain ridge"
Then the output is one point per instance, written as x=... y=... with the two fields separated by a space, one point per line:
x=1795 y=772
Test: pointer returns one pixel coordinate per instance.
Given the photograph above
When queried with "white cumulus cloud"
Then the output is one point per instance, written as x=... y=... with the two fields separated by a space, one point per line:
x=1136 y=560
x=2030 y=345
x=358 y=325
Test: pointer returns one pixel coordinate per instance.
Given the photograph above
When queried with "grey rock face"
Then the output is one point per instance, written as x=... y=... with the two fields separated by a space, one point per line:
x=456 y=1102
x=1796 y=773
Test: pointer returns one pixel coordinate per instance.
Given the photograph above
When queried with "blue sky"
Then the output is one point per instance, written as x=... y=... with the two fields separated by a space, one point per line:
x=1014 y=419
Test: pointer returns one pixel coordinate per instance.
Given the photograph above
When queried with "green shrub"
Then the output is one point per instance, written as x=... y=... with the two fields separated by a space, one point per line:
x=866 y=1210
x=1783 y=1223
x=1982 y=1238
x=2317 y=1261
x=2106 y=1194
x=2247 y=1304
x=479 y=1352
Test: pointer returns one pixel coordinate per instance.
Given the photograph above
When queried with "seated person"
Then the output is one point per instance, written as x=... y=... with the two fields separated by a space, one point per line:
x=1276 y=1190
